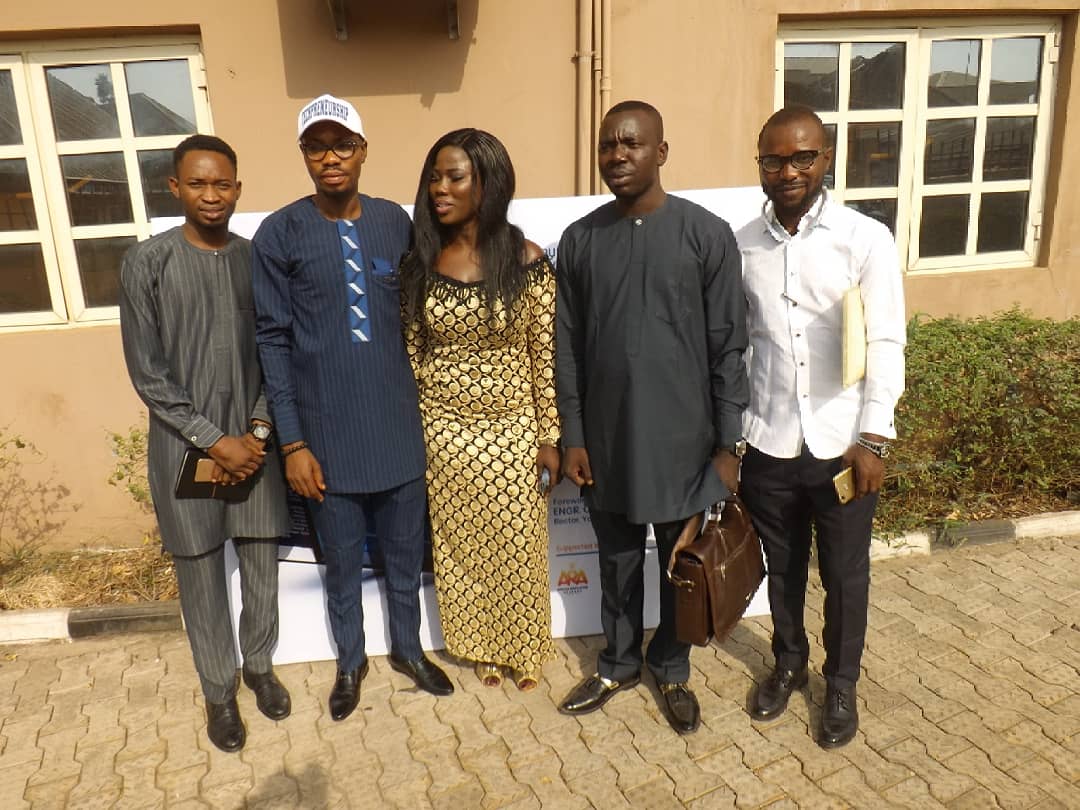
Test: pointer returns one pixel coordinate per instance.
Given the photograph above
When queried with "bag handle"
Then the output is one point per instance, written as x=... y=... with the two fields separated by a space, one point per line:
x=692 y=529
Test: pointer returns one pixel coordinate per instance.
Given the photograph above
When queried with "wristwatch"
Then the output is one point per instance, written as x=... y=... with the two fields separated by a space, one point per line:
x=879 y=449
x=260 y=431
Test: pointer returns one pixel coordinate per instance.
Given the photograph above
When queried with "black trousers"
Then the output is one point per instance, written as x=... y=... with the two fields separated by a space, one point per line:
x=622 y=585
x=786 y=498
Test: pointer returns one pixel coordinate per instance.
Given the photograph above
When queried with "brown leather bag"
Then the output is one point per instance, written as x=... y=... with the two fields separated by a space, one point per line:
x=716 y=575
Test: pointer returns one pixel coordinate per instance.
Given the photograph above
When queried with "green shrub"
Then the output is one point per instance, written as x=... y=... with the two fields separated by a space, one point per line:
x=990 y=422
x=32 y=507
x=130 y=470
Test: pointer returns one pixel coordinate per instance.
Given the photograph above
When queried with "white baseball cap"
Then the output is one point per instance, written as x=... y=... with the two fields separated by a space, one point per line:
x=329 y=108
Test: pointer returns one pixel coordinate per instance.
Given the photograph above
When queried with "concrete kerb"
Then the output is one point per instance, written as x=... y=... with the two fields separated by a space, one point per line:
x=24 y=626
x=1050 y=524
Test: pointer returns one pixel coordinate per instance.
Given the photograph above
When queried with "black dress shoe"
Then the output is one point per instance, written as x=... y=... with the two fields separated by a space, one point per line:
x=224 y=726
x=683 y=712
x=346 y=692
x=771 y=697
x=594 y=692
x=271 y=696
x=840 y=717
x=425 y=673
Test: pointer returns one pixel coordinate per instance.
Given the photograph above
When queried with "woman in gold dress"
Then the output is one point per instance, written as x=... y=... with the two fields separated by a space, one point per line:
x=478 y=305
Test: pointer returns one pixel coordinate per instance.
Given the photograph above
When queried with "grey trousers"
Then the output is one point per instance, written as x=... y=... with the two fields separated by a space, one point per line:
x=204 y=601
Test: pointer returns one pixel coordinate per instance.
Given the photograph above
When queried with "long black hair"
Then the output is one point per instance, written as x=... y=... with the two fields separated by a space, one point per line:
x=500 y=246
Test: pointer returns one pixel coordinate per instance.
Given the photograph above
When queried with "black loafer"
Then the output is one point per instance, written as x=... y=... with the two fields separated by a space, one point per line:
x=224 y=726
x=683 y=711
x=840 y=717
x=425 y=673
x=771 y=697
x=346 y=692
x=271 y=696
x=594 y=692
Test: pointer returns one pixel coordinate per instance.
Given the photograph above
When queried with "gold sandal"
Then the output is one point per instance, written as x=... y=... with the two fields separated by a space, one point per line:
x=525 y=681
x=488 y=674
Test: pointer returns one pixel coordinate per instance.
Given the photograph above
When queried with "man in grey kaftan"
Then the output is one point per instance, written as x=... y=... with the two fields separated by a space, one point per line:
x=189 y=339
x=188 y=327
x=651 y=387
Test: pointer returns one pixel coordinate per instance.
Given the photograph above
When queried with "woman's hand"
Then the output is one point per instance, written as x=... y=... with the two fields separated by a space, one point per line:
x=547 y=458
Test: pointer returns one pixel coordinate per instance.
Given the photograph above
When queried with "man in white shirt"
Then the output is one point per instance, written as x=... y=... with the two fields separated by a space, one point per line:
x=803 y=426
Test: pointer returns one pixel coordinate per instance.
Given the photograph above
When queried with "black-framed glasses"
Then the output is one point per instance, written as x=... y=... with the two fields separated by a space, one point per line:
x=317 y=151
x=771 y=164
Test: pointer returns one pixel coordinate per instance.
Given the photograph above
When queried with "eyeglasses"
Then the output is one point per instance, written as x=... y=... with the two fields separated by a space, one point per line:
x=317 y=151
x=771 y=164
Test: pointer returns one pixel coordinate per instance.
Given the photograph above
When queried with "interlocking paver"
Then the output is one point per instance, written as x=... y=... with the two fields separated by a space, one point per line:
x=944 y=785
x=970 y=699
x=848 y=785
x=787 y=774
x=750 y=790
x=1008 y=792
x=617 y=747
x=489 y=764
x=97 y=774
x=914 y=793
x=1041 y=774
x=978 y=798
x=53 y=793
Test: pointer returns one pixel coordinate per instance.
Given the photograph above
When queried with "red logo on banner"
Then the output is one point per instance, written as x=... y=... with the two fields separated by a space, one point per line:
x=572 y=577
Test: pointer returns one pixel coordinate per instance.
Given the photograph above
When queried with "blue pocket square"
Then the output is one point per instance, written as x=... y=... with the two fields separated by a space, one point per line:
x=381 y=267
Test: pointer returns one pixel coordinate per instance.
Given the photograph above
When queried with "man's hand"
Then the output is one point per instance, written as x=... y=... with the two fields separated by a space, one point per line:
x=253 y=444
x=219 y=476
x=726 y=465
x=575 y=466
x=304 y=474
x=869 y=470
x=547 y=458
x=235 y=457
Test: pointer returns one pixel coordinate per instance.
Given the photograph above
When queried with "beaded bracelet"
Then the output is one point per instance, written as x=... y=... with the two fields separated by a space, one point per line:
x=294 y=448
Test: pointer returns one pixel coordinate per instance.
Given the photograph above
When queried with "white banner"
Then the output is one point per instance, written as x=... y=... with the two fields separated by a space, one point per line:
x=304 y=631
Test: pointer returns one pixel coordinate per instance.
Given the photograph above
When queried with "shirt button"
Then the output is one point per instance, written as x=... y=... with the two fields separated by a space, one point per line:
x=637 y=221
x=194 y=438
x=798 y=334
x=802 y=363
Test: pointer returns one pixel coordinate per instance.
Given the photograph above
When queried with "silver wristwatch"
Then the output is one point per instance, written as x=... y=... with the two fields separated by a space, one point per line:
x=879 y=449
x=260 y=431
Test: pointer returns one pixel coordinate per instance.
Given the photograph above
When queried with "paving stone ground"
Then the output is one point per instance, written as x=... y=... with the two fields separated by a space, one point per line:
x=970 y=698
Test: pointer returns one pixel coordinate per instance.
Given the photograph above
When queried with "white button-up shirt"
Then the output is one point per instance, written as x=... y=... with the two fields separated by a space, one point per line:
x=794 y=288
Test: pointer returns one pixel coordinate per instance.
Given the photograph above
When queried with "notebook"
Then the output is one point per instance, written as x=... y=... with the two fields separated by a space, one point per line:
x=193 y=480
x=853 y=338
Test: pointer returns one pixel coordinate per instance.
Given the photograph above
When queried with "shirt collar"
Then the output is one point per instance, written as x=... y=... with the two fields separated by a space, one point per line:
x=817 y=215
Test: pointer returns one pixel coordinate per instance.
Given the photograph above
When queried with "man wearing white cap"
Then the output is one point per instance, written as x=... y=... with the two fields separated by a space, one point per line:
x=341 y=389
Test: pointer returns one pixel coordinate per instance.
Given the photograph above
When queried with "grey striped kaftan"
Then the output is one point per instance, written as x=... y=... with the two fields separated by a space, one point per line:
x=188 y=326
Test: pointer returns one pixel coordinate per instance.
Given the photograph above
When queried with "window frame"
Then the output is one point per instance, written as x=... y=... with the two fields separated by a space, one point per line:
x=43 y=234
x=918 y=35
x=29 y=62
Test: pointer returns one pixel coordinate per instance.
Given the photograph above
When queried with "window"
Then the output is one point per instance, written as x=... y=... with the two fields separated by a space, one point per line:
x=940 y=132
x=86 y=138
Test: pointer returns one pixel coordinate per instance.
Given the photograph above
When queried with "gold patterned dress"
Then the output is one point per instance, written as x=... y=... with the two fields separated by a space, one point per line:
x=487 y=400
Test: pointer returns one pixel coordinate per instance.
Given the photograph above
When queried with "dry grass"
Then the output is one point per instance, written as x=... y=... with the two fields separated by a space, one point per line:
x=86 y=578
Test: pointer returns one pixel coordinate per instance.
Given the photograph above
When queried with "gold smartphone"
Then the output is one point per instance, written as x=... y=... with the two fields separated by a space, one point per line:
x=204 y=470
x=844 y=481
